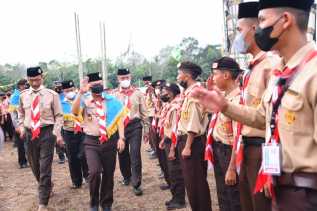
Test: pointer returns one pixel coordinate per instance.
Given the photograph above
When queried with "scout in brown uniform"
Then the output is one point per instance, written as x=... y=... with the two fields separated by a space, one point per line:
x=253 y=85
x=289 y=104
x=171 y=96
x=149 y=103
x=225 y=73
x=104 y=134
x=130 y=159
x=73 y=137
x=191 y=140
x=40 y=122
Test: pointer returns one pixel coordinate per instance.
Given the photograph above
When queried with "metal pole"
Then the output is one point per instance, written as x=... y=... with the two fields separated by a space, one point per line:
x=78 y=44
x=103 y=53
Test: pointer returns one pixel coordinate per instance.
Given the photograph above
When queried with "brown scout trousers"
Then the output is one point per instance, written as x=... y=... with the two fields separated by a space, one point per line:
x=175 y=173
x=252 y=158
x=195 y=174
x=101 y=160
x=228 y=196
x=40 y=154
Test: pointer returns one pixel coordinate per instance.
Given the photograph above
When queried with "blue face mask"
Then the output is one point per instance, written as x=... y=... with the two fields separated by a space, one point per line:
x=239 y=44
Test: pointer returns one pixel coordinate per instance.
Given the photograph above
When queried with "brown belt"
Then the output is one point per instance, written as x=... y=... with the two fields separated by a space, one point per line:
x=300 y=179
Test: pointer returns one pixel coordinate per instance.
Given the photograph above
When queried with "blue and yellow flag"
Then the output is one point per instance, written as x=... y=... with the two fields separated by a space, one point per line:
x=116 y=111
x=14 y=100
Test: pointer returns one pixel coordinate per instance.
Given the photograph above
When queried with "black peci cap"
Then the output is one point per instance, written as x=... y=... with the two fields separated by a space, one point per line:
x=94 y=77
x=248 y=10
x=147 y=78
x=304 y=5
x=123 y=71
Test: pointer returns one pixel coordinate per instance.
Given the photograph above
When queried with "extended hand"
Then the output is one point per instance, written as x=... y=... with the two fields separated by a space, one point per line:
x=212 y=100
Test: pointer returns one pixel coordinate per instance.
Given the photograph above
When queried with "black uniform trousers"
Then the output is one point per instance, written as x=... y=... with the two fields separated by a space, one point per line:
x=101 y=160
x=175 y=173
x=76 y=156
x=130 y=159
x=252 y=159
x=195 y=174
x=228 y=196
x=40 y=154
x=21 y=147
x=162 y=158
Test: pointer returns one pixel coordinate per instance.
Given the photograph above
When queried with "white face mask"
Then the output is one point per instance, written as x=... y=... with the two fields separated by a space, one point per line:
x=70 y=95
x=125 y=83
x=157 y=91
x=239 y=44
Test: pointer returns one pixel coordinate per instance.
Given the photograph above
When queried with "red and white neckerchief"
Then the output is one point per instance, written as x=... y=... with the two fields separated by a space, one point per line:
x=35 y=117
x=238 y=146
x=125 y=96
x=210 y=140
x=101 y=115
x=77 y=125
x=175 y=106
x=284 y=79
x=162 y=119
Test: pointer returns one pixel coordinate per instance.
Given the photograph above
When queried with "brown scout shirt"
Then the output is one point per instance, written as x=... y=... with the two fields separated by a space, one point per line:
x=297 y=115
x=50 y=109
x=224 y=128
x=193 y=117
x=90 y=123
x=259 y=78
x=149 y=103
x=138 y=108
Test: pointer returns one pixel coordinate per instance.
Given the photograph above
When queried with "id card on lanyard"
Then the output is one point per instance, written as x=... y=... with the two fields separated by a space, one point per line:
x=271 y=156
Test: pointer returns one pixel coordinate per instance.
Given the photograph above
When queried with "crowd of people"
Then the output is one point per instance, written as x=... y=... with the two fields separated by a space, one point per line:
x=256 y=128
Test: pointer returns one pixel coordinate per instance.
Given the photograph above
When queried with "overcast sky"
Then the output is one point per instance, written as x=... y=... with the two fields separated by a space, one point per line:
x=41 y=30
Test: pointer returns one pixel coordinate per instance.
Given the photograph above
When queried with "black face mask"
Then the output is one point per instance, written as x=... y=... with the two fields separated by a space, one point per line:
x=165 y=98
x=97 y=88
x=183 y=84
x=263 y=37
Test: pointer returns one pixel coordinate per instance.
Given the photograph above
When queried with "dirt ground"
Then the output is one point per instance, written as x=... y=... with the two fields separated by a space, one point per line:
x=18 y=188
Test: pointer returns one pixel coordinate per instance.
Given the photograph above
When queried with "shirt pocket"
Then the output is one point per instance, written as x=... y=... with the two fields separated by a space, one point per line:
x=46 y=106
x=290 y=111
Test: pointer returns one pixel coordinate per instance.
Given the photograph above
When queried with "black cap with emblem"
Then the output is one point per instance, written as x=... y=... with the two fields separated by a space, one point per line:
x=68 y=84
x=174 y=88
x=227 y=64
x=34 y=71
x=147 y=78
x=123 y=71
x=248 y=10
x=304 y=5
x=94 y=77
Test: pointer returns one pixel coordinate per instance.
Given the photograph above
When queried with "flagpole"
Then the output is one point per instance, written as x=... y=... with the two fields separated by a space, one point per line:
x=78 y=45
x=103 y=48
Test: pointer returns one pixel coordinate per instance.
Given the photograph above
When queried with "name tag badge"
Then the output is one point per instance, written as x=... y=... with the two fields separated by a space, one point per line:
x=271 y=155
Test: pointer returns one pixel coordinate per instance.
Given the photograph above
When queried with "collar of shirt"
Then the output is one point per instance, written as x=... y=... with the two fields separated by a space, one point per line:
x=191 y=87
x=36 y=90
x=297 y=58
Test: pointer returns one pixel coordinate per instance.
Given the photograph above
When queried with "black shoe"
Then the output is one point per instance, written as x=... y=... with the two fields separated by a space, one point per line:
x=137 y=191
x=23 y=166
x=61 y=161
x=175 y=205
x=168 y=202
x=164 y=187
x=75 y=186
x=93 y=208
x=125 y=182
x=107 y=209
